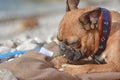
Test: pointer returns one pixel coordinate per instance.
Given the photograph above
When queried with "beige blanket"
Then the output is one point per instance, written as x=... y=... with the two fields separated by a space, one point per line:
x=35 y=66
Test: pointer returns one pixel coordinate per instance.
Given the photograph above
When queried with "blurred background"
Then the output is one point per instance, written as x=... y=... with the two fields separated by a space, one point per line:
x=38 y=18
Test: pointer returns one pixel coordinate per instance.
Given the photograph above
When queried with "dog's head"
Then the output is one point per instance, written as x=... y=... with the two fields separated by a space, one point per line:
x=79 y=28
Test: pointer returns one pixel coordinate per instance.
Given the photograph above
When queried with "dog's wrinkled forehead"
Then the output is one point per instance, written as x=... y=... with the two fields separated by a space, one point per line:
x=79 y=14
x=76 y=22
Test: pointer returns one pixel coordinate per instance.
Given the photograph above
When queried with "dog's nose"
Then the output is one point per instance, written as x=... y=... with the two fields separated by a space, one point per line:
x=72 y=44
x=62 y=47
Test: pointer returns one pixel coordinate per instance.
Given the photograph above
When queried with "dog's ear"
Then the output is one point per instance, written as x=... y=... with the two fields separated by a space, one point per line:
x=91 y=17
x=71 y=5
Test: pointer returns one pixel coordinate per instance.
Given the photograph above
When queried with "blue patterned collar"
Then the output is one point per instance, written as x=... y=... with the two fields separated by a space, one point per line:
x=104 y=34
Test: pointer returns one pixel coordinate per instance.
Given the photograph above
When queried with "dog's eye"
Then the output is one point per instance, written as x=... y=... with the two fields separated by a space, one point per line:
x=72 y=43
x=59 y=39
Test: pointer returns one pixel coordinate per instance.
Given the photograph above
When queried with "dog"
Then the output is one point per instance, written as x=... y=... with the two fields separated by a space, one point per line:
x=80 y=30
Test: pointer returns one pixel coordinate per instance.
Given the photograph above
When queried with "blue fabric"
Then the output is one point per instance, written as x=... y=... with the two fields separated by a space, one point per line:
x=10 y=54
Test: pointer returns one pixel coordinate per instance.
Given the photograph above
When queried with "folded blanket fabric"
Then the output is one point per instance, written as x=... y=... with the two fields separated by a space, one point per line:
x=35 y=66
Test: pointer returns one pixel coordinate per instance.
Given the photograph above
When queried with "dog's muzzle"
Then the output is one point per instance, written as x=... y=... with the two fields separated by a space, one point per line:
x=70 y=53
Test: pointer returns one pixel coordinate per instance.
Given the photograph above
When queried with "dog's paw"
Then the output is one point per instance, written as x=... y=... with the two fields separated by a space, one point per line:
x=73 y=69
x=63 y=66
x=58 y=61
x=67 y=68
